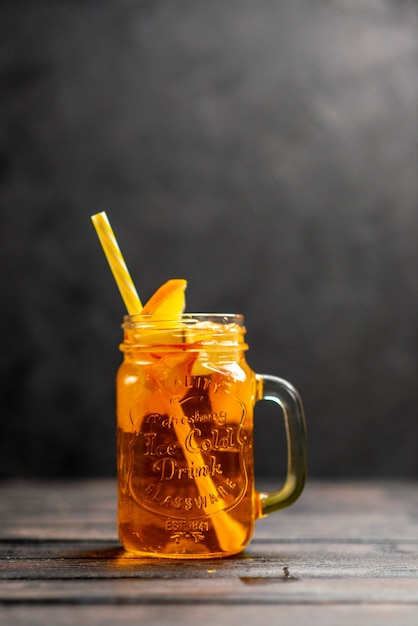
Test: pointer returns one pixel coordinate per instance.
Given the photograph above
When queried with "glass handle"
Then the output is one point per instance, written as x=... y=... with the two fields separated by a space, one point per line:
x=287 y=397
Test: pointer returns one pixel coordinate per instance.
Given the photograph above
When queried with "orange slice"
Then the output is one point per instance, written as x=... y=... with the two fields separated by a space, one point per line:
x=169 y=300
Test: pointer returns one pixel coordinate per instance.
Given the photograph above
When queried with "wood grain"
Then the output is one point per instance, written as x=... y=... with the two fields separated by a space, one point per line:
x=344 y=552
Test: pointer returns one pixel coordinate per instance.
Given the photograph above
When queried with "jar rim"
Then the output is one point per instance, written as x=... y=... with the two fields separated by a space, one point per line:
x=223 y=319
x=193 y=331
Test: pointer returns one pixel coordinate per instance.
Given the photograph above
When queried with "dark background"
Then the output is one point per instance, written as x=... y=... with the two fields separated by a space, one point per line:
x=264 y=150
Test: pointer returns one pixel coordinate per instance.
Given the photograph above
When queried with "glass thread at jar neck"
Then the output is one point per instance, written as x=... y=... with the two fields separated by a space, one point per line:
x=189 y=331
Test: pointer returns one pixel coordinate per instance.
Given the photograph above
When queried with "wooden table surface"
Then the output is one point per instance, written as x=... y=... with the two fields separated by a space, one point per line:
x=345 y=553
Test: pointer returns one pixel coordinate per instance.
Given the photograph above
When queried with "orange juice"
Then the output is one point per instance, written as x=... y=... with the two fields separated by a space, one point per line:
x=185 y=399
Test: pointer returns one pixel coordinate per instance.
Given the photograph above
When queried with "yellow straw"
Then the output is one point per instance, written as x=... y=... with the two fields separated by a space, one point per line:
x=117 y=264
